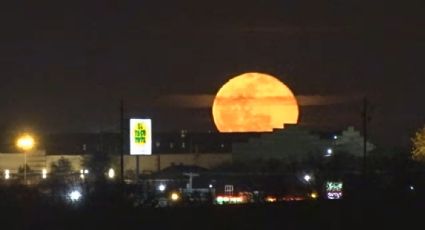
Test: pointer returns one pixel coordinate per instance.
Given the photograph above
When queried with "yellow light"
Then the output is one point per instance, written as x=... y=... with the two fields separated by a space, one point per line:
x=44 y=173
x=111 y=173
x=313 y=195
x=175 y=196
x=271 y=199
x=7 y=174
x=25 y=142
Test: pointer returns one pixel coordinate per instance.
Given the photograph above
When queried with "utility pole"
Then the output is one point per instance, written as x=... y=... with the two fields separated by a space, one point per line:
x=365 y=121
x=190 y=175
x=122 y=140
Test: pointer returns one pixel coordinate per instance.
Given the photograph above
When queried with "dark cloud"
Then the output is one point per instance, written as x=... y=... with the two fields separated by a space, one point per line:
x=206 y=101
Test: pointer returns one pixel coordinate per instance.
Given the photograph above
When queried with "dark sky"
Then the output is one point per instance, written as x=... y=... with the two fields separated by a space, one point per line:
x=65 y=66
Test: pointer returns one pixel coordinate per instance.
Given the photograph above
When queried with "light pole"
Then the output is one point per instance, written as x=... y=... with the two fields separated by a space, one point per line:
x=25 y=142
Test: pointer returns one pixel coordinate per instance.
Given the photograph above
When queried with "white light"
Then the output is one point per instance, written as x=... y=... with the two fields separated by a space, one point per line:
x=329 y=152
x=411 y=187
x=7 y=174
x=74 y=195
x=307 y=177
x=111 y=173
x=82 y=172
x=335 y=137
x=210 y=185
x=44 y=173
x=334 y=195
x=161 y=187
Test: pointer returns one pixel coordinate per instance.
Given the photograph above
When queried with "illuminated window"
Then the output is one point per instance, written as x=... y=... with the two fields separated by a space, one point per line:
x=183 y=133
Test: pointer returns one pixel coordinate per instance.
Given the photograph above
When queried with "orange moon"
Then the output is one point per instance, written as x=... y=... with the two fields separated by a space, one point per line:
x=254 y=102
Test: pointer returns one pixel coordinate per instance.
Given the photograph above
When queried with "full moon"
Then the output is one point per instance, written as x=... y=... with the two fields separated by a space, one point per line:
x=254 y=102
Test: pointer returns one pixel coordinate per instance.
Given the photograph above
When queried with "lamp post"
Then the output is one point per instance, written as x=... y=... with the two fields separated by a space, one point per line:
x=25 y=142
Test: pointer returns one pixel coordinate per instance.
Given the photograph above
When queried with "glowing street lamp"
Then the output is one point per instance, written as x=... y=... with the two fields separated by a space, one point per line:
x=7 y=174
x=175 y=196
x=161 y=187
x=26 y=143
x=329 y=152
x=82 y=172
x=111 y=173
x=44 y=173
x=75 y=195
x=307 y=178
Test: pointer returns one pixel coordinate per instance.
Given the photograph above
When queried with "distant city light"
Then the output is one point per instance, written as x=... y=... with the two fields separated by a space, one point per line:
x=7 y=174
x=44 y=173
x=82 y=172
x=74 y=195
x=229 y=199
x=307 y=178
x=161 y=187
x=313 y=195
x=111 y=173
x=210 y=186
x=329 y=152
x=271 y=199
x=174 y=196
x=411 y=187
x=335 y=137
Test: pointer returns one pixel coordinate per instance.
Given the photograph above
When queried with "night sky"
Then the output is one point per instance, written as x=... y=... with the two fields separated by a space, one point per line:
x=65 y=66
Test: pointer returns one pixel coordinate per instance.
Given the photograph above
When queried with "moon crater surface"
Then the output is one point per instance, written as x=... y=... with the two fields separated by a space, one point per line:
x=254 y=102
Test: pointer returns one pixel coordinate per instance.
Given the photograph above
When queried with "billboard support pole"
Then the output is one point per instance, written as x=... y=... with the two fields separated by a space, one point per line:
x=137 y=168
x=122 y=140
x=140 y=140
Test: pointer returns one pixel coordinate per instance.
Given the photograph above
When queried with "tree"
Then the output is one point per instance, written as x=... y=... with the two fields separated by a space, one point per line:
x=21 y=169
x=418 y=141
x=61 y=167
x=98 y=164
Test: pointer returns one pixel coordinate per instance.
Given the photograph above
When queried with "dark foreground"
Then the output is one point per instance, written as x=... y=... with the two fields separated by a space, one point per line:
x=320 y=214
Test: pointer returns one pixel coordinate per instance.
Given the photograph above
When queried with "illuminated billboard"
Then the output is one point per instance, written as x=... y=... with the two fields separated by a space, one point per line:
x=334 y=190
x=140 y=137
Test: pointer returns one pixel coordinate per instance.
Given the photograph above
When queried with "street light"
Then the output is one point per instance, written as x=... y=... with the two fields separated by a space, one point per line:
x=74 y=195
x=7 y=174
x=44 y=173
x=25 y=142
x=111 y=173
x=174 y=196
x=161 y=187
x=329 y=152
x=307 y=178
